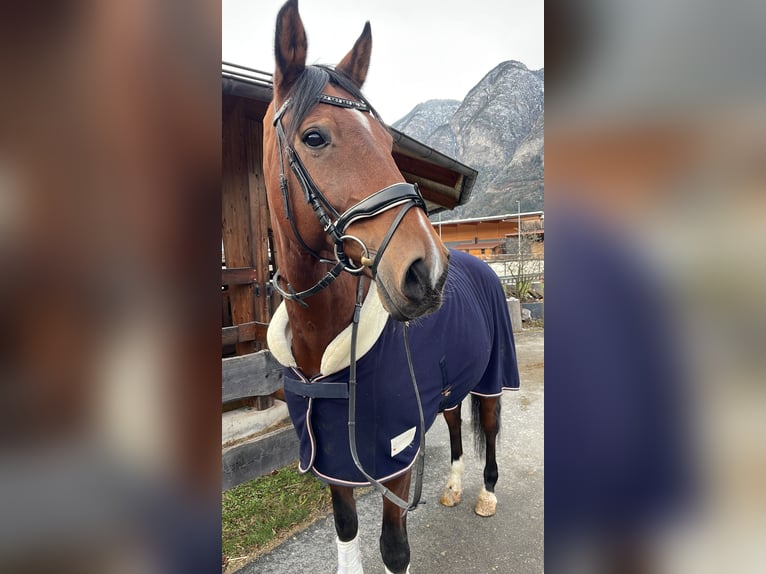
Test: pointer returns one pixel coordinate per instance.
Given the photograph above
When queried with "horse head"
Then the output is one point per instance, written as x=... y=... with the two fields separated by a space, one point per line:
x=334 y=189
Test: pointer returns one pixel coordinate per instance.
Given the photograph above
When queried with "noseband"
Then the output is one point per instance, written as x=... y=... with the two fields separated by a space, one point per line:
x=334 y=223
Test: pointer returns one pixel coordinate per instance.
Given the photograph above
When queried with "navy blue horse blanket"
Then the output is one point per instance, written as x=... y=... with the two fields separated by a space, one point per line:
x=465 y=346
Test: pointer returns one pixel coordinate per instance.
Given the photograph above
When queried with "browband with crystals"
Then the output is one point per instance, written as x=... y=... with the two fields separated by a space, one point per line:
x=326 y=99
x=344 y=103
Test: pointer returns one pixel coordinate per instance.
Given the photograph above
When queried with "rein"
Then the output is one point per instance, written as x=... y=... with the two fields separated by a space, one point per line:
x=401 y=503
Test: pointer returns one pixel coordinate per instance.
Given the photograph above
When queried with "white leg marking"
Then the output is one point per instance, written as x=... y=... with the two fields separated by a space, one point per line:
x=453 y=491
x=389 y=571
x=349 y=556
x=487 y=503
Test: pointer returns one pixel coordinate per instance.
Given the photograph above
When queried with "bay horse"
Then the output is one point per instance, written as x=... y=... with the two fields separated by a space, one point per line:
x=382 y=327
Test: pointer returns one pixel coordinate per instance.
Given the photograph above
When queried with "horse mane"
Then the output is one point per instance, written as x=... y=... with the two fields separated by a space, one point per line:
x=309 y=86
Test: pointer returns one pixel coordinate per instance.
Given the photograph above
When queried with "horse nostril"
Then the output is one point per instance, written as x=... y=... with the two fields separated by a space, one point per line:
x=417 y=282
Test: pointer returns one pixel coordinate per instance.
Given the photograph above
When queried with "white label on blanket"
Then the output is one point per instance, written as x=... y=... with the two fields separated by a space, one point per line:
x=399 y=443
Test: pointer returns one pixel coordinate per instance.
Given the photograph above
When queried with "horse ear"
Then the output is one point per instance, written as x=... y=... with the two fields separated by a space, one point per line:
x=357 y=61
x=290 y=48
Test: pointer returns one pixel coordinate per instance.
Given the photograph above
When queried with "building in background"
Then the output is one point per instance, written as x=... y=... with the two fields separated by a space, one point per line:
x=510 y=234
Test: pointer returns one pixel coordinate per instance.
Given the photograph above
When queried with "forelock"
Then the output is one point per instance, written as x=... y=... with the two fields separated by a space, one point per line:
x=307 y=89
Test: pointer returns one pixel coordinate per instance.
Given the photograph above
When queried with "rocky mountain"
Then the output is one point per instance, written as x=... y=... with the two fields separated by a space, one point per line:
x=498 y=130
x=425 y=118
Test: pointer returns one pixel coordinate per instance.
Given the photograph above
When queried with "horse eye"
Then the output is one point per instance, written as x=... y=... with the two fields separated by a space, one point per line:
x=314 y=139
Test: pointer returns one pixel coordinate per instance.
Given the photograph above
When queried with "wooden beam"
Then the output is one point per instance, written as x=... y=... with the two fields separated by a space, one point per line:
x=245 y=332
x=238 y=276
x=254 y=375
x=437 y=198
x=258 y=457
x=441 y=194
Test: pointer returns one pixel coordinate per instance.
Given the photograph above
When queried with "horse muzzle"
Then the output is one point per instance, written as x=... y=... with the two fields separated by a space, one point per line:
x=417 y=293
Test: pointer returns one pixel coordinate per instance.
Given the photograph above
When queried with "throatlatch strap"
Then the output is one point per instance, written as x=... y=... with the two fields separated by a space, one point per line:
x=299 y=296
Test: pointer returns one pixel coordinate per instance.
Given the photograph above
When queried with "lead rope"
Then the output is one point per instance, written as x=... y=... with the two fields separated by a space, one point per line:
x=403 y=504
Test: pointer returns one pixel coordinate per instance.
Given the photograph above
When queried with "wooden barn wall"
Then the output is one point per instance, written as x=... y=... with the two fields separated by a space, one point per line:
x=248 y=302
x=483 y=231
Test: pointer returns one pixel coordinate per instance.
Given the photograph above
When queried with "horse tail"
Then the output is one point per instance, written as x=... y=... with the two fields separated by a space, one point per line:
x=479 y=438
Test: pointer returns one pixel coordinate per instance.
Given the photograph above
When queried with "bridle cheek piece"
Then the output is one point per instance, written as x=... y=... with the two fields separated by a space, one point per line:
x=402 y=195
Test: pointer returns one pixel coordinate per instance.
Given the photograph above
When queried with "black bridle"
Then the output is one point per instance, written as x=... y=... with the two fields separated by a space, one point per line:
x=334 y=223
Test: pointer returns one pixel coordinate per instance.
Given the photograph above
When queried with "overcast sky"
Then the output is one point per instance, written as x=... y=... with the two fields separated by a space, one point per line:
x=422 y=49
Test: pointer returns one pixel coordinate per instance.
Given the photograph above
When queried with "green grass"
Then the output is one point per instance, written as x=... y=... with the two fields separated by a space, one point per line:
x=257 y=512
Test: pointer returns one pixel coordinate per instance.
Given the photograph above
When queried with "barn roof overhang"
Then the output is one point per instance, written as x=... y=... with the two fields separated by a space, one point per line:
x=444 y=182
x=506 y=218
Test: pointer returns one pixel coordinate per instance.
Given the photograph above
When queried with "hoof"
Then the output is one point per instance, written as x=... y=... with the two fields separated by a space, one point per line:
x=451 y=497
x=487 y=503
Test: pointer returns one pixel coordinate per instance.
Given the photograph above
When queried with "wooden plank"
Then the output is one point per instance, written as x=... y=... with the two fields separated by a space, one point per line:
x=258 y=457
x=235 y=224
x=241 y=424
x=236 y=236
x=259 y=219
x=254 y=375
x=238 y=276
x=441 y=188
x=435 y=196
x=251 y=331
x=229 y=335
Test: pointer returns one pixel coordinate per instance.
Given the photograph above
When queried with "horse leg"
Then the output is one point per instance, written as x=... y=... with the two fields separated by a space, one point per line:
x=489 y=418
x=454 y=488
x=394 y=547
x=347 y=528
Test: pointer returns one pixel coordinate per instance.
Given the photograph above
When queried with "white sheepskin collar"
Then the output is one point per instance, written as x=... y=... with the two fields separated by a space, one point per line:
x=372 y=320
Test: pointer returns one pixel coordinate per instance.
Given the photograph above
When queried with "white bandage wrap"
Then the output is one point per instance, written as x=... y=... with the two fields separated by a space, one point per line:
x=453 y=490
x=407 y=572
x=349 y=556
x=455 y=480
